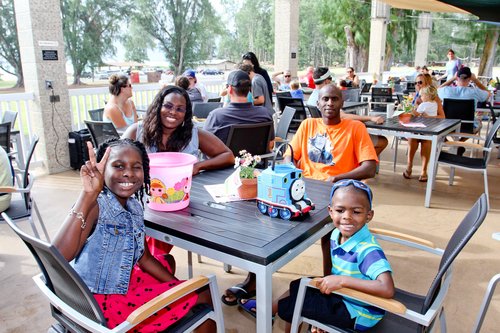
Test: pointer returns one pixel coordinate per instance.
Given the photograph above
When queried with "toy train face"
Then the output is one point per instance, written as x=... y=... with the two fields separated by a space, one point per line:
x=282 y=192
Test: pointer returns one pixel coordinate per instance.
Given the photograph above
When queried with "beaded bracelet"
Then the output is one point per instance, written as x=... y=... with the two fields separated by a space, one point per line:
x=79 y=216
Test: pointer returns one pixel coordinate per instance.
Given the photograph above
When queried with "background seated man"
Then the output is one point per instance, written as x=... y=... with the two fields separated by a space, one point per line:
x=239 y=110
x=284 y=78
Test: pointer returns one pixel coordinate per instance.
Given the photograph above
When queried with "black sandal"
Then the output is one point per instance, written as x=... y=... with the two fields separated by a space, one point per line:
x=238 y=291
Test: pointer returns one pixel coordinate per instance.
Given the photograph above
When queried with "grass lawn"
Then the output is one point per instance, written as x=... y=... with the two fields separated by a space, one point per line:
x=7 y=84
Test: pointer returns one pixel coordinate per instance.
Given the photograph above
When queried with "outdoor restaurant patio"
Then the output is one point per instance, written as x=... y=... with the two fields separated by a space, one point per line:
x=398 y=205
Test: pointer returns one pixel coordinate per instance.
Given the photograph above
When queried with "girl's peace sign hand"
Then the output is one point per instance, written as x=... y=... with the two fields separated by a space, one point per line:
x=92 y=173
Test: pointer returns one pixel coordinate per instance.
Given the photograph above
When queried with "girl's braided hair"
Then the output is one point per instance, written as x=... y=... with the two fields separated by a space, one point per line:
x=115 y=142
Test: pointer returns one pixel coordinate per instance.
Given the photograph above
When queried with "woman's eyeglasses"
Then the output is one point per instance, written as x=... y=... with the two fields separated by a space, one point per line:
x=287 y=75
x=419 y=82
x=170 y=107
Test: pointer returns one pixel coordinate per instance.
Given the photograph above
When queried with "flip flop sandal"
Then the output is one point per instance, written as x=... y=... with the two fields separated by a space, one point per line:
x=249 y=306
x=407 y=174
x=422 y=179
x=238 y=291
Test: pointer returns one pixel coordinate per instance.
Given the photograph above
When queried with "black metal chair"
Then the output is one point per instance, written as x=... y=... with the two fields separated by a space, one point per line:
x=214 y=99
x=298 y=105
x=75 y=308
x=5 y=136
x=22 y=205
x=365 y=88
x=283 y=94
x=314 y=112
x=475 y=164
x=254 y=138
x=100 y=131
x=96 y=114
x=381 y=96
x=351 y=95
x=409 y=312
x=201 y=110
x=463 y=109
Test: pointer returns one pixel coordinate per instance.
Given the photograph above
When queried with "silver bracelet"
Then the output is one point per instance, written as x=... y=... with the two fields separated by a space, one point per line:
x=79 y=216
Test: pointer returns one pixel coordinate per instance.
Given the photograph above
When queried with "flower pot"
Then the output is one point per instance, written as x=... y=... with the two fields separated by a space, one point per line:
x=248 y=188
x=405 y=117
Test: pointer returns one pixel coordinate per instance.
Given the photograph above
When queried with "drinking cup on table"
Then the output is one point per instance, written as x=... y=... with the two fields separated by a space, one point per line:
x=390 y=110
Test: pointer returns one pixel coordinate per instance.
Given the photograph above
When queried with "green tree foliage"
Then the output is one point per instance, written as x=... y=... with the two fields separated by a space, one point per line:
x=183 y=29
x=89 y=29
x=401 y=37
x=348 y=21
x=253 y=31
x=315 y=49
x=137 y=43
x=10 y=58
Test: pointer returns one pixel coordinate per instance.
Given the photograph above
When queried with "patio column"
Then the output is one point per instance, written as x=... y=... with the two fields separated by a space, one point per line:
x=286 y=35
x=41 y=44
x=423 y=36
x=378 y=29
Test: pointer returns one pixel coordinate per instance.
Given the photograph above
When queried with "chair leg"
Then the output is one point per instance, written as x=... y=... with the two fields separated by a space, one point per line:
x=227 y=268
x=486 y=302
x=395 y=141
x=199 y=259
x=452 y=176
x=297 y=312
x=39 y=217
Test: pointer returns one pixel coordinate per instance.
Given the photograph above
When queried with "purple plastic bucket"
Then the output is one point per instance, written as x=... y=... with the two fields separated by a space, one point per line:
x=170 y=175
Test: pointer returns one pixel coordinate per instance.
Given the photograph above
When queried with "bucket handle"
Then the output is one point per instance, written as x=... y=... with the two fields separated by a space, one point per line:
x=279 y=149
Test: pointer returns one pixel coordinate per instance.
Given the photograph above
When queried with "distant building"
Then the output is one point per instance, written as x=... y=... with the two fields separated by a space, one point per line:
x=219 y=64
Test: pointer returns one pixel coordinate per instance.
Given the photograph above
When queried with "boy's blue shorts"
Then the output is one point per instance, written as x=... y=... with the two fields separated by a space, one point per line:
x=326 y=308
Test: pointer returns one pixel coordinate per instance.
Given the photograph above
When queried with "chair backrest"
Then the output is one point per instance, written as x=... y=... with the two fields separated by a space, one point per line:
x=351 y=95
x=253 y=138
x=314 y=111
x=463 y=109
x=97 y=114
x=469 y=225
x=283 y=94
x=296 y=103
x=5 y=136
x=9 y=117
x=382 y=93
x=201 y=110
x=366 y=87
x=410 y=86
x=60 y=277
x=491 y=136
x=284 y=122
x=214 y=99
x=101 y=131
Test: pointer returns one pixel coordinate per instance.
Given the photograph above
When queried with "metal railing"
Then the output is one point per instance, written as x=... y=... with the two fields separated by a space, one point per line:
x=81 y=101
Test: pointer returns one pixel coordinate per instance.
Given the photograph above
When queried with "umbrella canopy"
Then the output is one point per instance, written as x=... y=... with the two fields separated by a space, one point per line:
x=486 y=10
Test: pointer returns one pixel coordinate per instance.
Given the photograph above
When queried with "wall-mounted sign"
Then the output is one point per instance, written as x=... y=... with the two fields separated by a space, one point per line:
x=294 y=55
x=48 y=43
x=49 y=55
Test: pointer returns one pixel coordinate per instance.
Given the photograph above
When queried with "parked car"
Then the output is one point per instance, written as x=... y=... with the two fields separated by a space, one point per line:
x=106 y=74
x=212 y=72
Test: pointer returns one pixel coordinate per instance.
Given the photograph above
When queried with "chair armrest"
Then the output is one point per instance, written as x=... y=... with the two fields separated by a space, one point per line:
x=387 y=304
x=465 y=145
x=162 y=300
x=12 y=189
x=399 y=235
x=465 y=135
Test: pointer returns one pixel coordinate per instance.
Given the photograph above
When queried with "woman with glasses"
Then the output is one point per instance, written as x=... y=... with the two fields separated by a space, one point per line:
x=421 y=81
x=120 y=109
x=250 y=58
x=351 y=78
x=168 y=127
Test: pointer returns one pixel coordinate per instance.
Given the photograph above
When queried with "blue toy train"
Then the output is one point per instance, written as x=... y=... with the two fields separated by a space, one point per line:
x=282 y=191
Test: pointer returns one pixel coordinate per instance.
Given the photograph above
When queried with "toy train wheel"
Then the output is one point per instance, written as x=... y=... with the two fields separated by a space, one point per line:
x=285 y=213
x=262 y=208
x=273 y=212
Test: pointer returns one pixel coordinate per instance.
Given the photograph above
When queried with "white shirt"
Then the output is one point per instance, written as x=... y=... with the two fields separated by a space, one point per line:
x=430 y=108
